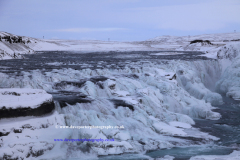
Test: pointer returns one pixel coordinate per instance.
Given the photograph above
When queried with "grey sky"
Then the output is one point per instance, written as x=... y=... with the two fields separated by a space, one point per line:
x=122 y=20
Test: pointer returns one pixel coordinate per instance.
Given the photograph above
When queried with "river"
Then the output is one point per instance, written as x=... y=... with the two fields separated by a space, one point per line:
x=227 y=128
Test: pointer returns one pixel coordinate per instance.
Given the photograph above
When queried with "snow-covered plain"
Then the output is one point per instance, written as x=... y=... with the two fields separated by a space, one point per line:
x=8 y=50
x=155 y=102
x=159 y=43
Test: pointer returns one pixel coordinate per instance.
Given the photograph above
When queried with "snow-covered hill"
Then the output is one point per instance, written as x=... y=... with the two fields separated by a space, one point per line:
x=182 y=43
x=219 y=37
x=13 y=50
x=9 y=49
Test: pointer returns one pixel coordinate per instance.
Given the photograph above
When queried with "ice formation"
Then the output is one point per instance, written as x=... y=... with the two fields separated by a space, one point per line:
x=151 y=101
x=155 y=102
x=229 y=81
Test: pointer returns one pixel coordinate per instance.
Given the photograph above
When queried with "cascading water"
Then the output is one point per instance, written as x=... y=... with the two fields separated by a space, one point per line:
x=156 y=99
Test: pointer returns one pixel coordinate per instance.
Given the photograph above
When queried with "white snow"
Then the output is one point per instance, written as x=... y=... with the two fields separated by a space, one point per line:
x=167 y=157
x=166 y=129
x=23 y=98
x=235 y=155
x=85 y=46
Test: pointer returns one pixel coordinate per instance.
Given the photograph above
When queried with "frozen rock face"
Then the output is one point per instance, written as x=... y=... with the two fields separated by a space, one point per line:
x=16 y=102
x=198 y=78
x=229 y=51
x=149 y=85
x=229 y=82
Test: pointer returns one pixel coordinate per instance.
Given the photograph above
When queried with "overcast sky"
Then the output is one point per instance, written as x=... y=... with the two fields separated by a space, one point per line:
x=121 y=20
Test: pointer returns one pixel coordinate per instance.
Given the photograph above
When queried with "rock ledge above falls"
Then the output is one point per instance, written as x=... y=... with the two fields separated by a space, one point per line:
x=17 y=102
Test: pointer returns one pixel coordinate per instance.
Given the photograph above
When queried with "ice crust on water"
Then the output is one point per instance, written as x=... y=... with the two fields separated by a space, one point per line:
x=235 y=155
x=155 y=108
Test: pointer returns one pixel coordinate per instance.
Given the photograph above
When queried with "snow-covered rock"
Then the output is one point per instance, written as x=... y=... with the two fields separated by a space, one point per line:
x=229 y=51
x=15 y=102
x=10 y=50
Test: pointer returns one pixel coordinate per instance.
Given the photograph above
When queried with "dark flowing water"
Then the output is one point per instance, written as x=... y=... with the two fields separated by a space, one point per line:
x=47 y=61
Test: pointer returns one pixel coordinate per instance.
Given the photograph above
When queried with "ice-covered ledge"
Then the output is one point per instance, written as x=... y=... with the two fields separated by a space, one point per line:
x=16 y=102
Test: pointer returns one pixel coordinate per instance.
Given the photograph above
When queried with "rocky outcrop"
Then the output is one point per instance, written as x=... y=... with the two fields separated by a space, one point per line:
x=16 y=102
x=44 y=108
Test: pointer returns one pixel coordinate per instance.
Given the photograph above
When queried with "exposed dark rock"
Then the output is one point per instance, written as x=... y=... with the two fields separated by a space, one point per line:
x=132 y=76
x=7 y=157
x=11 y=93
x=63 y=84
x=72 y=100
x=118 y=103
x=235 y=40
x=100 y=85
x=141 y=142
x=19 y=112
x=17 y=130
x=112 y=86
x=26 y=126
x=4 y=133
x=200 y=41
x=173 y=77
x=96 y=80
